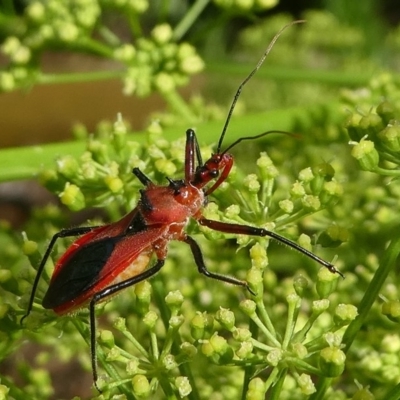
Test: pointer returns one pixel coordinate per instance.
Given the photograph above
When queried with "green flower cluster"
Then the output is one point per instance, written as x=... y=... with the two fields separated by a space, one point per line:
x=156 y=63
x=374 y=127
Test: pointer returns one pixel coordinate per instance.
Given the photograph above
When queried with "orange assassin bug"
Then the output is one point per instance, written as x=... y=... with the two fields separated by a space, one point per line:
x=107 y=259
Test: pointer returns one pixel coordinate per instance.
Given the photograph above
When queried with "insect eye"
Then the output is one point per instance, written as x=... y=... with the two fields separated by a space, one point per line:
x=214 y=173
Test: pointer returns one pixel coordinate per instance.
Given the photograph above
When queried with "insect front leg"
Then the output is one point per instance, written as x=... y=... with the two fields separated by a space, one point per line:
x=62 y=234
x=198 y=258
x=261 y=232
x=108 y=291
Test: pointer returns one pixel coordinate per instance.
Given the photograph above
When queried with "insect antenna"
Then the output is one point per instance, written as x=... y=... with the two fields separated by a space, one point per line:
x=240 y=88
x=255 y=137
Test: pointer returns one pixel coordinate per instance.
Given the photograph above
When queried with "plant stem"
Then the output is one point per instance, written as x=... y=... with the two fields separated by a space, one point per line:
x=27 y=162
x=189 y=18
x=372 y=292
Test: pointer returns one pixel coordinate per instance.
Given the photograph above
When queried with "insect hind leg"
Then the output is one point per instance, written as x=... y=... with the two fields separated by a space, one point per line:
x=109 y=291
x=198 y=258
x=62 y=234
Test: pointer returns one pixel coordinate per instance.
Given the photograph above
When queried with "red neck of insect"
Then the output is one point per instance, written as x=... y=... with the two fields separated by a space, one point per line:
x=218 y=166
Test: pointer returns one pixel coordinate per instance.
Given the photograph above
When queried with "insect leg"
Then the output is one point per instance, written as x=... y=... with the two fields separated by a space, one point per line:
x=108 y=292
x=142 y=177
x=63 y=233
x=198 y=258
x=253 y=231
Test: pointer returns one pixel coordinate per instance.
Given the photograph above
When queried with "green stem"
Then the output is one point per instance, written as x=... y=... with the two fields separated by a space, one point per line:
x=387 y=172
x=295 y=74
x=50 y=79
x=276 y=382
x=189 y=18
x=176 y=102
x=393 y=394
x=27 y=162
x=322 y=386
x=389 y=258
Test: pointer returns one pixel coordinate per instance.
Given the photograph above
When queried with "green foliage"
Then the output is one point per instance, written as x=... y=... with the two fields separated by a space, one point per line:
x=305 y=333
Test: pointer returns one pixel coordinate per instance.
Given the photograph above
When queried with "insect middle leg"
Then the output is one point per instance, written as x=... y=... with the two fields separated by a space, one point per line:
x=261 y=232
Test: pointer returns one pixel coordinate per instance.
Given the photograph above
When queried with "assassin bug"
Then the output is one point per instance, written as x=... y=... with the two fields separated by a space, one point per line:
x=106 y=259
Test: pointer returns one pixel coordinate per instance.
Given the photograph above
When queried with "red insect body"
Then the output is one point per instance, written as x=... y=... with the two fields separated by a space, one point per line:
x=107 y=259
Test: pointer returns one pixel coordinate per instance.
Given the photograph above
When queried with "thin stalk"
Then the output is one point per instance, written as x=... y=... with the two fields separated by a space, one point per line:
x=372 y=292
x=189 y=18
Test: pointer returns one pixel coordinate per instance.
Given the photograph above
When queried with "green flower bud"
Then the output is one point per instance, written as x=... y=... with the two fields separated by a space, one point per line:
x=164 y=82
x=141 y=386
x=241 y=334
x=332 y=361
x=334 y=236
x=366 y=154
x=344 y=314
x=72 y=197
x=7 y=81
x=306 y=384
x=391 y=343
x=125 y=53
x=4 y=391
x=306 y=175
x=259 y=259
x=299 y=350
x=297 y=190
x=386 y=111
x=36 y=12
x=191 y=64
x=115 y=184
x=29 y=247
x=319 y=306
x=371 y=124
x=256 y=390
x=266 y=167
x=392 y=310
x=300 y=283
x=166 y=167
x=226 y=318
x=207 y=349
x=326 y=282
x=174 y=300
x=188 y=349
x=107 y=338
x=390 y=137
x=274 y=357
x=286 y=206
x=169 y=362
x=305 y=241
x=251 y=183
x=248 y=307
x=162 y=33
x=232 y=211
x=114 y=355
x=311 y=202
x=255 y=280
x=143 y=294
x=150 y=319
x=322 y=173
x=201 y=325
x=245 y=350
x=363 y=394
x=183 y=385
x=132 y=367
x=120 y=324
